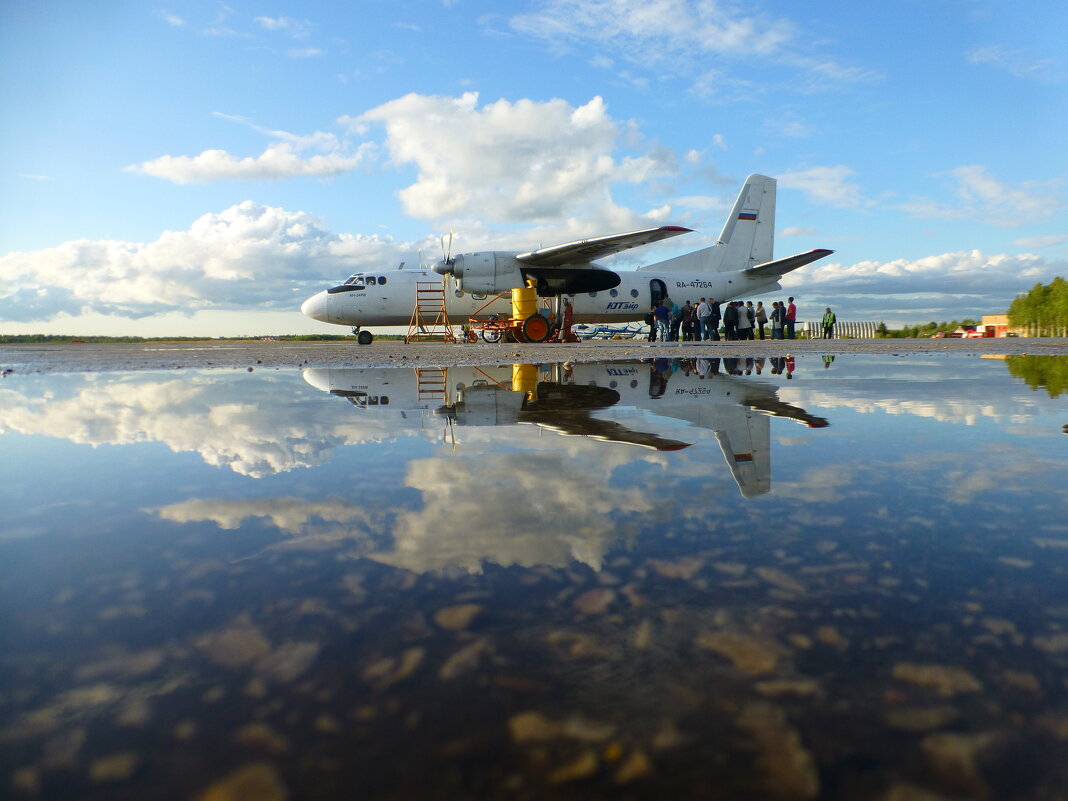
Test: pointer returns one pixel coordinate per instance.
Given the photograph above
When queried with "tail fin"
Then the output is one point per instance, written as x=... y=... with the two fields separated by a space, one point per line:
x=747 y=238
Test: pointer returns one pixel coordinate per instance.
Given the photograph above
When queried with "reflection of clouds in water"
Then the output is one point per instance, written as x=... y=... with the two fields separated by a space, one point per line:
x=307 y=524
x=214 y=416
x=790 y=441
x=1001 y=471
x=1011 y=409
x=288 y=515
x=510 y=509
x=825 y=484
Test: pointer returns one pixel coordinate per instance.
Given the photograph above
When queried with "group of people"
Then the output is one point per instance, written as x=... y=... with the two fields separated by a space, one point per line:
x=740 y=320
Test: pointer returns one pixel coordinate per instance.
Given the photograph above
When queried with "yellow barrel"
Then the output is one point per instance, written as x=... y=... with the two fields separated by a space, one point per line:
x=524 y=378
x=524 y=302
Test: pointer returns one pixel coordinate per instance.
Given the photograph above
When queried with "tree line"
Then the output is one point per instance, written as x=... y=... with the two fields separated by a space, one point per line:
x=1041 y=372
x=920 y=331
x=1042 y=312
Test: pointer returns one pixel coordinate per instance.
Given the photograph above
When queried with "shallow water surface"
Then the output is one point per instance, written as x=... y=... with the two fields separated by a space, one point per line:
x=836 y=578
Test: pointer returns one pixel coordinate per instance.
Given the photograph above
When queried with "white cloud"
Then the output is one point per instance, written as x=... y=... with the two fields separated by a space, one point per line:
x=1018 y=63
x=944 y=287
x=1035 y=242
x=298 y=29
x=679 y=36
x=505 y=161
x=796 y=231
x=982 y=197
x=649 y=26
x=963 y=271
x=304 y=52
x=248 y=256
x=826 y=186
x=278 y=160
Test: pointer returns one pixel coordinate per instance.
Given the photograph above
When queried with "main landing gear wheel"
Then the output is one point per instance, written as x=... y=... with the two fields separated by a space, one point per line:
x=535 y=328
x=491 y=335
x=364 y=338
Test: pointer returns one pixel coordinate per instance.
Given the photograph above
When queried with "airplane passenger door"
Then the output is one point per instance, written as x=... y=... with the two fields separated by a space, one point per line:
x=657 y=291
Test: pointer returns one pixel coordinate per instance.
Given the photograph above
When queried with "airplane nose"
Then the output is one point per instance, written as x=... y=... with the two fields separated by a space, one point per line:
x=318 y=378
x=315 y=307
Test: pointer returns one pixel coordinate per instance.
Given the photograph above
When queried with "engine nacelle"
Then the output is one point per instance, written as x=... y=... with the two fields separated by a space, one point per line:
x=487 y=273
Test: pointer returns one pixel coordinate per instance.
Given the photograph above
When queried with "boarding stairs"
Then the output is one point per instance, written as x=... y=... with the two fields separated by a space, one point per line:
x=430 y=383
x=430 y=320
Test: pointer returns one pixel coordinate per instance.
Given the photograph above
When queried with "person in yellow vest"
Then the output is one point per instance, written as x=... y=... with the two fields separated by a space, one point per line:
x=828 y=324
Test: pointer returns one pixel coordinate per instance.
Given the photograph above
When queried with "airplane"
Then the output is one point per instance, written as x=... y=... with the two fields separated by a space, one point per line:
x=573 y=399
x=739 y=265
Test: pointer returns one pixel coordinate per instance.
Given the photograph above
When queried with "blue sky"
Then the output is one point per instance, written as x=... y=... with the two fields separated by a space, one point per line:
x=203 y=167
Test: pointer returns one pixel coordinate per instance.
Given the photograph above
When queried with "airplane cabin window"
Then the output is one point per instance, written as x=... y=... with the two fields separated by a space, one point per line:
x=459 y=293
x=614 y=293
x=382 y=279
x=634 y=293
x=593 y=294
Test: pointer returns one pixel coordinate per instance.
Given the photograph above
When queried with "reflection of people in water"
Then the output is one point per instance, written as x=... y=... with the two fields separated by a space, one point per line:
x=789 y=366
x=706 y=368
x=827 y=359
x=659 y=373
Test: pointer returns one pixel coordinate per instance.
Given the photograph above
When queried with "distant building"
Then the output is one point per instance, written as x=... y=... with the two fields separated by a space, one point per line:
x=1000 y=325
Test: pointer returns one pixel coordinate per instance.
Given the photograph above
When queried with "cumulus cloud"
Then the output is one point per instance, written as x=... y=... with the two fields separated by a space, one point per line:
x=278 y=160
x=248 y=256
x=943 y=287
x=962 y=271
x=507 y=162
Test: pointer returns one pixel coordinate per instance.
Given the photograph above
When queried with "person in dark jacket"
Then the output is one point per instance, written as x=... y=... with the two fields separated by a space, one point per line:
x=730 y=321
x=713 y=319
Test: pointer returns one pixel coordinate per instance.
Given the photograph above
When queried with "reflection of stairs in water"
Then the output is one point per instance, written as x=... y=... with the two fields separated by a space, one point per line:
x=430 y=382
x=430 y=320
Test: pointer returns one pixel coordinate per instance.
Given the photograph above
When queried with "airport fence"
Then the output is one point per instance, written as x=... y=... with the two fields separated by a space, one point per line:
x=843 y=329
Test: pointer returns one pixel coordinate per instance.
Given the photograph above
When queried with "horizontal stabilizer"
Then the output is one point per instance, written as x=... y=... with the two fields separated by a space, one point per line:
x=779 y=267
x=586 y=250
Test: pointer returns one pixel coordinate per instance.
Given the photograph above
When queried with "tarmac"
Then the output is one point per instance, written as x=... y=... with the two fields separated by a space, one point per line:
x=253 y=355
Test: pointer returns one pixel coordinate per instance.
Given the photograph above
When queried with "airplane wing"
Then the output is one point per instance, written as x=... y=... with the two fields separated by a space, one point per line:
x=780 y=267
x=586 y=250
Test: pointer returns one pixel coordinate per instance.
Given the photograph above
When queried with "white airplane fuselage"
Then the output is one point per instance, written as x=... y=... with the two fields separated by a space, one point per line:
x=739 y=266
x=392 y=302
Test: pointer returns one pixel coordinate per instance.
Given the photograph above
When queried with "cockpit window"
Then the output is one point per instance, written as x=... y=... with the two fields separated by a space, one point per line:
x=371 y=280
x=354 y=283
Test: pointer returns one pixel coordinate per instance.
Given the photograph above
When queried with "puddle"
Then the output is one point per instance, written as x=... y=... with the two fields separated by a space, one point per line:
x=837 y=578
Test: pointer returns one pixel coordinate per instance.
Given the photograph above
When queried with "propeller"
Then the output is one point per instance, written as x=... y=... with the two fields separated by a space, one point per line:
x=445 y=266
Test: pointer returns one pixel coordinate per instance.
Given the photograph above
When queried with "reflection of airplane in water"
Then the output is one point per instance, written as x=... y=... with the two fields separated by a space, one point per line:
x=711 y=394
